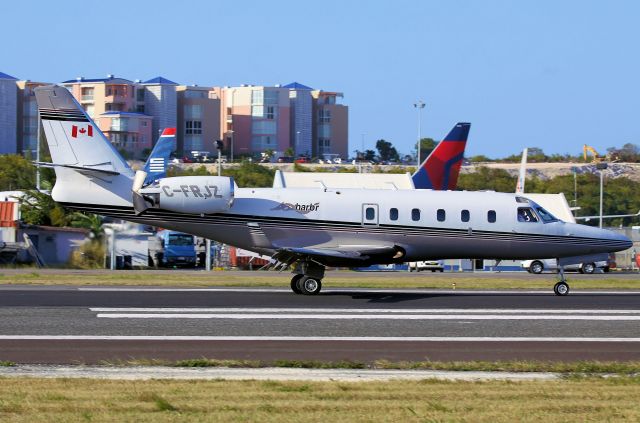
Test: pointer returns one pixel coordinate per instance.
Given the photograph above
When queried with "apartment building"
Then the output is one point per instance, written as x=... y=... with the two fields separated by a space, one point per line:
x=110 y=94
x=301 y=124
x=130 y=132
x=8 y=114
x=330 y=125
x=160 y=102
x=27 y=114
x=254 y=119
x=198 y=119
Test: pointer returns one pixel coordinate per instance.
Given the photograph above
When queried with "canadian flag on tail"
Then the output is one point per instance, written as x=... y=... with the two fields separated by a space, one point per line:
x=75 y=130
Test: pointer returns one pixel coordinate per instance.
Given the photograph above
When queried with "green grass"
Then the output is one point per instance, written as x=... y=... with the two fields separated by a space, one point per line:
x=81 y=400
x=332 y=280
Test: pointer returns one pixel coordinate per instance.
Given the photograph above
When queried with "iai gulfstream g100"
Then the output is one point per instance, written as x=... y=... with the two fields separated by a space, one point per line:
x=307 y=229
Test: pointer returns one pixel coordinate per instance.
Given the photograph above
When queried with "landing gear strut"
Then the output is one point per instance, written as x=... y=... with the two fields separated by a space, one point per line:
x=562 y=287
x=308 y=278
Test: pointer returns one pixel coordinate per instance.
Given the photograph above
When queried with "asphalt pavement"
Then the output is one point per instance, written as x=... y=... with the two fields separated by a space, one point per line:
x=90 y=325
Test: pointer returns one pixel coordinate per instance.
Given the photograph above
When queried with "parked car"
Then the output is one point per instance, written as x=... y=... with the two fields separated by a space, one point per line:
x=285 y=159
x=303 y=160
x=538 y=266
x=432 y=265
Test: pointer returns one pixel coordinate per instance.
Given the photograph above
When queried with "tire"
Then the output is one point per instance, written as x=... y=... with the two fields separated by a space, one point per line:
x=536 y=267
x=309 y=285
x=441 y=270
x=561 y=289
x=294 y=284
x=606 y=269
x=588 y=268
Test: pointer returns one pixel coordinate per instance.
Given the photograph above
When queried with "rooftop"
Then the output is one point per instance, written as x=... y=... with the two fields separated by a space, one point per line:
x=5 y=76
x=160 y=80
x=109 y=78
x=297 y=86
x=115 y=112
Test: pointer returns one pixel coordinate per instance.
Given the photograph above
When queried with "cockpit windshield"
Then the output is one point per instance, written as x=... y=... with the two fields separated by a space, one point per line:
x=545 y=215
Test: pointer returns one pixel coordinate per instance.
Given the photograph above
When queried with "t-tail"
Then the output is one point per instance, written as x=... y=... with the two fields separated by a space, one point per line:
x=158 y=161
x=441 y=169
x=88 y=168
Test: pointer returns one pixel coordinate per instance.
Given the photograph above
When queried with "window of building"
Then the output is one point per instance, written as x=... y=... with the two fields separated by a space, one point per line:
x=140 y=108
x=144 y=123
x=324 y=146
x=87 y=93
x=324 y=116
x=267 y=127
x=271 y=97
x=263 y=142
x=491 y=216
x=526 y=214
x=257 y=97
x=193 y=111
x=257 y=111
x=271 y=112
x=393 y=214
x=415 y=214
x=193 y=127
x=465 y=216
x=441 y=215
x=140 y=94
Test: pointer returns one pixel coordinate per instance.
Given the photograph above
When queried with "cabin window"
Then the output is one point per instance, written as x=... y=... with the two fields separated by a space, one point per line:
x=393 y=214
x=491 y=216
x=526 y=214
x=441 y=215
x=546 y=216
x=415 y=214
x=370 y=213
x=465 y=216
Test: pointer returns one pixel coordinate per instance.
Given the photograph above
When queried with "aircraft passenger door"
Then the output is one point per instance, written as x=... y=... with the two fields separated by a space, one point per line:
x=369 y=215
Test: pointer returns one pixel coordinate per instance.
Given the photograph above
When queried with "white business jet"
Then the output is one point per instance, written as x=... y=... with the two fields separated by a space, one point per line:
x=307 y=229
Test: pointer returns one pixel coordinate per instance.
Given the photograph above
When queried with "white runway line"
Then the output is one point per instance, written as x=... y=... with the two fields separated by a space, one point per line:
x=354 y=310
x=312 y=338
x=358 y=290
x=344 y=375
x=264 y=316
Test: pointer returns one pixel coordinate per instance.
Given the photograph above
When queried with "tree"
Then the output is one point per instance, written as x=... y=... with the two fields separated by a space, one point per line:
x=386 y=151
x=16 y=173
x=369 y=155
x=289 y=152
x=426 y=147
x=89 y=221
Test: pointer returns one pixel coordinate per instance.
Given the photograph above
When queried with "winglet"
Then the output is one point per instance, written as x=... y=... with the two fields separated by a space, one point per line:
x=440 y=170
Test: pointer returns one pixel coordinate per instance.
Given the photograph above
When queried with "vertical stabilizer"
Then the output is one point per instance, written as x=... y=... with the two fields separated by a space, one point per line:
x=158 y=161
x=88 y=168
x=440 y=170
x=523 y=172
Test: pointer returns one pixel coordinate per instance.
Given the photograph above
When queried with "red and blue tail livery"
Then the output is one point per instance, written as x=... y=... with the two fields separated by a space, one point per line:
x=440 y=170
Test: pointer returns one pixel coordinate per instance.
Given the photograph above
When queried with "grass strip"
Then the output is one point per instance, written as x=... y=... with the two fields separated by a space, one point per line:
x=333 y=280
x=627 y=368
x=82 y=400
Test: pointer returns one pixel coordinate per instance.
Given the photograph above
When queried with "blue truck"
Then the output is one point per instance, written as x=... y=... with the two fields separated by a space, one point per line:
x=172 y=249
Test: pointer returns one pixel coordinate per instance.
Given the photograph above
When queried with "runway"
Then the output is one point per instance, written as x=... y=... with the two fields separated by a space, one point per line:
x=58 y=325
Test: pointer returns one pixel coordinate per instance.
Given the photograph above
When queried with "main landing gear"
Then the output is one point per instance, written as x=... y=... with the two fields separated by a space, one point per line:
x=562 y=287
x=308 y=278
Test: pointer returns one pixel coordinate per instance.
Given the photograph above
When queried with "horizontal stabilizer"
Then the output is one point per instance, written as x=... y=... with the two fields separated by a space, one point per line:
x=92 y=171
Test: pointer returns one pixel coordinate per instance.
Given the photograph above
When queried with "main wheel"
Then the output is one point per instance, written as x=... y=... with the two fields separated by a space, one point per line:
x=294 y=283
x=561 y=288
x=536 y=267
x=588 y=268
x=309 y=285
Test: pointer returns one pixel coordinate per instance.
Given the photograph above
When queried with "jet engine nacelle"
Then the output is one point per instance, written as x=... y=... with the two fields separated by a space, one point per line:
x=191 y=194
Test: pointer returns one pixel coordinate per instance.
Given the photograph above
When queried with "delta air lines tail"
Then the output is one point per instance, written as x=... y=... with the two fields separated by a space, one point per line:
x=440 y=170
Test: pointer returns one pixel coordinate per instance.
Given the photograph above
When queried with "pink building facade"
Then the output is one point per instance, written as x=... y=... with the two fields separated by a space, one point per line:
x=129 y=132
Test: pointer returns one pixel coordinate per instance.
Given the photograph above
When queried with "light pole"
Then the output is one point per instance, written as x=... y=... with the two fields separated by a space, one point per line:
x=419 y=105
x=602 y=167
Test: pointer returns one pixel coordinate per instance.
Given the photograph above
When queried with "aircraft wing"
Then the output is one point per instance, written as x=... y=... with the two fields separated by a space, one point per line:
x=343 y=252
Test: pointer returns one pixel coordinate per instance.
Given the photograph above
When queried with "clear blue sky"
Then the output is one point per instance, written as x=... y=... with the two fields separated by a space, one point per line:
x=550 y=74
